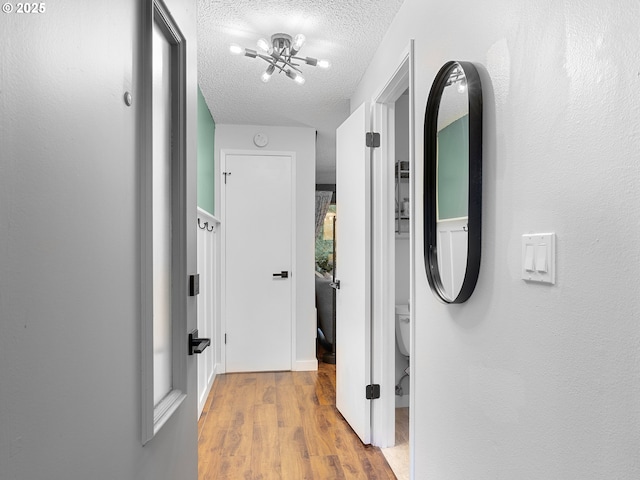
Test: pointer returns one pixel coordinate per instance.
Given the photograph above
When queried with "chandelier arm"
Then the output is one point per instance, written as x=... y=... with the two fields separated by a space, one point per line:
x=280 y=68
x=289 y=64
x=267 y=58
x=308 y=60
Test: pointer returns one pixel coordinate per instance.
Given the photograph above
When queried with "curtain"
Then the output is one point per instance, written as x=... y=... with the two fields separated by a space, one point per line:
x=323 y=199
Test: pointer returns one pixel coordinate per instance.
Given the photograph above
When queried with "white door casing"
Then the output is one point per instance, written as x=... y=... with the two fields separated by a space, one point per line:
x=353 y=303
x=258 y=244
x=384 y=245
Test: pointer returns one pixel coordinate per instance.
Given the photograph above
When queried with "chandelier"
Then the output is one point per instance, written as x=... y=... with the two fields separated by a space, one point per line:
x=280 y=54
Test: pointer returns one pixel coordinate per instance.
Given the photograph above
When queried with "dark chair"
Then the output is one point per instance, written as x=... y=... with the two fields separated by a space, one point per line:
x=324 y=307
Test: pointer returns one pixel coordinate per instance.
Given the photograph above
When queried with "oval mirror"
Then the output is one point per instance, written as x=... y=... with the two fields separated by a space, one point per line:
x=453 y=182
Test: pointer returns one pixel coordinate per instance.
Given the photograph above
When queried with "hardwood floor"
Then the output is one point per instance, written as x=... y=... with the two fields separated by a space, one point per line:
x=281 y=425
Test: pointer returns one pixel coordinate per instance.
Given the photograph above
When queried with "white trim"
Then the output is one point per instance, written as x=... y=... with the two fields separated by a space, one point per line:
x=207 y=216
x=223 y=264
x=412 y=255
x=383 y=120
x=163 y=411
x=208 y=268
x=294 y=263
x=154 y=416
x=305 y=365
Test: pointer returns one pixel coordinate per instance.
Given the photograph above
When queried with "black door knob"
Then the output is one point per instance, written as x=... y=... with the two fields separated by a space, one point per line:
x=197 y=345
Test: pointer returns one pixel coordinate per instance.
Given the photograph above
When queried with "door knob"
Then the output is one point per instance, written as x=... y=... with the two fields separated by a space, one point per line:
x=197 y=345
x=282 y=274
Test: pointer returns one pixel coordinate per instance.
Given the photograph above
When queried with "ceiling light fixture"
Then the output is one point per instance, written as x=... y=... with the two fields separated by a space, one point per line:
x=280 y=54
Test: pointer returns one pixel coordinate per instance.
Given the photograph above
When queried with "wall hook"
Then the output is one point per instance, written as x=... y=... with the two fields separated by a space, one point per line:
x=213 y=227
x=203 y=226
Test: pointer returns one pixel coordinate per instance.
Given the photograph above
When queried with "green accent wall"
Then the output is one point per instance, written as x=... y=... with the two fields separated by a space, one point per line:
x=206 y=165
x=453 y=169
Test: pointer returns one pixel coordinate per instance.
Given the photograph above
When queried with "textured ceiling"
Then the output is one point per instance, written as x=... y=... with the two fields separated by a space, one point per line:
x=345 y=32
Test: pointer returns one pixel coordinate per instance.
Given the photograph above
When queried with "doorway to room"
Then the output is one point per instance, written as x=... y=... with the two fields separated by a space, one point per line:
x=393 y=187
x=398 y=455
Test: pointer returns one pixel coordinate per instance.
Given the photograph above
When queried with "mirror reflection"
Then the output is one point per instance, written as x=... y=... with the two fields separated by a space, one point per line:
x=452 y=182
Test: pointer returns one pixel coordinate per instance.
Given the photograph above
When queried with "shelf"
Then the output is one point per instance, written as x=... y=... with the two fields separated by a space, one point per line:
x=402 y=175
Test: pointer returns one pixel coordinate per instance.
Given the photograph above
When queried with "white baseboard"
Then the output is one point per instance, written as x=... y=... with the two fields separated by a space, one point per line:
x=306 y=365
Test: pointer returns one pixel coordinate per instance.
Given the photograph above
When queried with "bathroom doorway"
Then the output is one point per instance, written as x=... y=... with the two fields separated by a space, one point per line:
x=392 y=265
x=398 y=455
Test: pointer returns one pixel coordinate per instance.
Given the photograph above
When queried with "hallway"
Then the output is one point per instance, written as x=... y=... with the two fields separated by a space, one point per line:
x=281 y=425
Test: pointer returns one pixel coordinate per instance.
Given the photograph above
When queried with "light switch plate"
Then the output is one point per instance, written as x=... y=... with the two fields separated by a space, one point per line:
x=539 y=258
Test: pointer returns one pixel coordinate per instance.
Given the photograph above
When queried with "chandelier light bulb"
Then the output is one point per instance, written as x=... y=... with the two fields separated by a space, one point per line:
x=298 y=41
x=264 y=45
x=324 y=63
x=266 y=75
x=462 y=86
x=236 y=49
x=295 y=76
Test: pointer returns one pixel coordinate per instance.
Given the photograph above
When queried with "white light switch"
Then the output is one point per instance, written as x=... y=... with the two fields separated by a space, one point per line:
x=539 y=258
x=528 y=257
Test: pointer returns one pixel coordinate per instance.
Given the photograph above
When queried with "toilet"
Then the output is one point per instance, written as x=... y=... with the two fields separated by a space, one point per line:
x=403 y=329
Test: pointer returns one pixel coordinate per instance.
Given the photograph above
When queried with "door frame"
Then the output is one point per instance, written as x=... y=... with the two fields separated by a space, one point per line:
x=223 y=248
x=383 y=251
x=155 y=416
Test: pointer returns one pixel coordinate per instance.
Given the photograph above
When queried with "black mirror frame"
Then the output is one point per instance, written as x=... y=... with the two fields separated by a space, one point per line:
x=474 y=89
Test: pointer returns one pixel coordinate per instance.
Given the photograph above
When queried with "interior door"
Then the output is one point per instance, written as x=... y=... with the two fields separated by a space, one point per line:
x=353 y=311
x=258 y=256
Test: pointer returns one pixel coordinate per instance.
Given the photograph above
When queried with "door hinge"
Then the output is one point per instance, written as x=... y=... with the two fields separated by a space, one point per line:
x=194 y=285
x=373 y=391
x=373 y=139
x=225 y=338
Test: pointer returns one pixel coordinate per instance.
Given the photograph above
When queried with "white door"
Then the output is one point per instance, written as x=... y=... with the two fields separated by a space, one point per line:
x=353 y=312
x=258 y=254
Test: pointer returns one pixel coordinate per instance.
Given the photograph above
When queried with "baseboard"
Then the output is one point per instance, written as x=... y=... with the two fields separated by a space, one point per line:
x=306 y=365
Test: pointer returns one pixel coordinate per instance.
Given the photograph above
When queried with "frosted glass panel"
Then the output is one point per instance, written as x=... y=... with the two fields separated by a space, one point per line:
x=162 y=352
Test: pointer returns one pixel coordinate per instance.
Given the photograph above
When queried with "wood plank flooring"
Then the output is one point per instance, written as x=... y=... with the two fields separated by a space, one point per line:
x=281 y=425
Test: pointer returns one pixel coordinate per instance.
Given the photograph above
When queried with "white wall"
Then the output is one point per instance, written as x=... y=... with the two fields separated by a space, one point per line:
x=302 y=142
x=528 y=381
x=70 y=383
